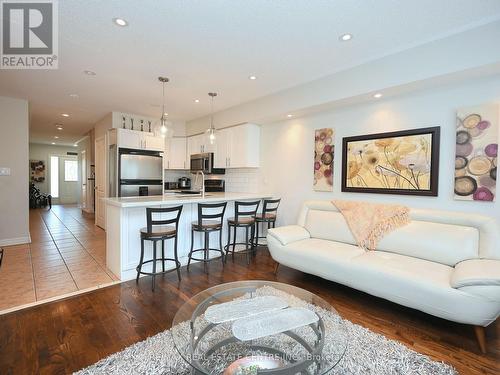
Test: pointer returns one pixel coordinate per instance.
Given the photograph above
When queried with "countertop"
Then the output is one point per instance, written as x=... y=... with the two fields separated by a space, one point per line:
x=172 y=199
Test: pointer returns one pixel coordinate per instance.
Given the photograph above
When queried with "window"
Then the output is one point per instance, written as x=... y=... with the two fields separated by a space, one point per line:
x=70 y=170
x=54 y=176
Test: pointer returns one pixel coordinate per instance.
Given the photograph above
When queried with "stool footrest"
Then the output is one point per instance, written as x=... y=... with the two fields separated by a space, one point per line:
x=206 y=260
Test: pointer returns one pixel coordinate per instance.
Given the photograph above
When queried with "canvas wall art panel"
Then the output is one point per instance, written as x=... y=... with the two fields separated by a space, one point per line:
x=37 y=170
x=403 y=162
x=476 y=153
x=323 y=159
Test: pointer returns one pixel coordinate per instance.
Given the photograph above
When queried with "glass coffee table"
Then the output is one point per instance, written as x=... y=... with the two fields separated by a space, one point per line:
x=259 y=327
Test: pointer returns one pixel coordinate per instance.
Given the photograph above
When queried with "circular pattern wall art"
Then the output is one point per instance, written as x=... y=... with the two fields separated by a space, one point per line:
x=323 y=159
x=476 y=153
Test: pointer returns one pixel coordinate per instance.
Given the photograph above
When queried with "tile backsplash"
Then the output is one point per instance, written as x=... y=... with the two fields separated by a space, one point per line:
x=244 y=180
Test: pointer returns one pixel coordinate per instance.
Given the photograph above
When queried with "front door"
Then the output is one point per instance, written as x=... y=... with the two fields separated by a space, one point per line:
x=63 y=171
x=68 y=180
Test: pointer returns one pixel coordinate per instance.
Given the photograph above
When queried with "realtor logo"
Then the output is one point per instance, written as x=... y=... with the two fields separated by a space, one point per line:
x=29 y=34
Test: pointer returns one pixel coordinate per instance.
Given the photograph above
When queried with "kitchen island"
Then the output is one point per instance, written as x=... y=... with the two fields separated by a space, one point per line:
x=126 y=216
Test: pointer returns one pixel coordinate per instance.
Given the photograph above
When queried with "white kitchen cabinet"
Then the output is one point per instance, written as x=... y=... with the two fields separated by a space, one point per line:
x=152 y=142
x=198 y=144
x=222 y=148
x=238 y=147
x=176 y=153
x=128 y=139
x=195 y=144
x=235 y=147
x=138 y=140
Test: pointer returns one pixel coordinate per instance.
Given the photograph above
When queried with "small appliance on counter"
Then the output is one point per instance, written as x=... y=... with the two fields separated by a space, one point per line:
x=184 y=183
x=171 y=185
x=215 y=186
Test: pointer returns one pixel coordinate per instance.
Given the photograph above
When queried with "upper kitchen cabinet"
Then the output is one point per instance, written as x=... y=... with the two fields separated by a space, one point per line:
x=138 y=140
x=199 y=144
x=195 y=144
x=176 y=153
x=238 y=147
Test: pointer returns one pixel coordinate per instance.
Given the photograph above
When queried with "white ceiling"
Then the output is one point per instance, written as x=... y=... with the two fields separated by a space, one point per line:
x=215 y=45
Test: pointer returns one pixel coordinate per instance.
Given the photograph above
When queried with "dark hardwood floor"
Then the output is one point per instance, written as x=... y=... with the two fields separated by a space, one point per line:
x=64 y=336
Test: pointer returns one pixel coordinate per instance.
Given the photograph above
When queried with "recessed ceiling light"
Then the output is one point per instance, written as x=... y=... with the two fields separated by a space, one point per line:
x=289 y=116
x=75 y=145
x=59 y=128
x=120 y=22
x=345 y=37
x=89 y=72
x=377 y=95
x=165 y=114
x=56 y=137
x=197 y=100
x=53 y=143
x=64 y=115
x=252 y=78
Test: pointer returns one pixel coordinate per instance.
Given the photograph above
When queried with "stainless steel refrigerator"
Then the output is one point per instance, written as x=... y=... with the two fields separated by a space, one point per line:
x=140 y=172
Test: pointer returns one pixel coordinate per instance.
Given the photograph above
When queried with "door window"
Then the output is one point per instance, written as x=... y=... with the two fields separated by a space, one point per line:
x=70 y=170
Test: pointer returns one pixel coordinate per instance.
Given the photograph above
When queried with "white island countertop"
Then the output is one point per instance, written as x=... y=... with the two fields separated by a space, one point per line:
x=159 y=200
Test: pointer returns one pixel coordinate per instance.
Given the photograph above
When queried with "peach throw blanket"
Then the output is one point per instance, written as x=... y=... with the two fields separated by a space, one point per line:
x=369 y=222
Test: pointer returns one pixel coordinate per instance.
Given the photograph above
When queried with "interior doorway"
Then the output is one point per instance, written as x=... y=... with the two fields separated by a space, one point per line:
x=63 y=170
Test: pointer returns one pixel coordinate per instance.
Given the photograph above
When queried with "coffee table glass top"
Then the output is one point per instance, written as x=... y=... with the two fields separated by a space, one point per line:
x=259 y=327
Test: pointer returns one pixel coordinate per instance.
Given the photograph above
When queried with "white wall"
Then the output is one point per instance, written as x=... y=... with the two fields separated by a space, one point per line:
x=429 y=64
x=14 y=201
x=287 y=147
x=38 y=151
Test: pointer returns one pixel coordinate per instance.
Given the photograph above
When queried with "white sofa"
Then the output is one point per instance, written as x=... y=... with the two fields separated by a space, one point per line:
x=443 y=263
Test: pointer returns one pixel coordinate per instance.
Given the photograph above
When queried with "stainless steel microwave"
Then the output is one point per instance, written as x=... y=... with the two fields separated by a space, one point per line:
x=205 y=163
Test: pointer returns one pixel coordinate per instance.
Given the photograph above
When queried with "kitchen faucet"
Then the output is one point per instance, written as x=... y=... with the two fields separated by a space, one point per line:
x=202 y=190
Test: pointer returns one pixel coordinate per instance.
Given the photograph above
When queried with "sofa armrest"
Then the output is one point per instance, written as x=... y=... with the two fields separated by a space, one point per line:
x=476 y=272
x=289 y=233
x=480 y=277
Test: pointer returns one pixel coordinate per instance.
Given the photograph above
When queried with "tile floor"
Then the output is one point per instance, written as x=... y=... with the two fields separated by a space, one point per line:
x=67 y=254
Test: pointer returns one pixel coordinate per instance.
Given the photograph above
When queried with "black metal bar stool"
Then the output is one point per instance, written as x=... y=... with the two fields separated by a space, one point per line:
x=244 y=217
x=268 y=215
x=210 y=219
x=160 y=230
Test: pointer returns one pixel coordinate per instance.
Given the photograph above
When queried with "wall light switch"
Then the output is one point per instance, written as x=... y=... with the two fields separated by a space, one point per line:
x=4 y=171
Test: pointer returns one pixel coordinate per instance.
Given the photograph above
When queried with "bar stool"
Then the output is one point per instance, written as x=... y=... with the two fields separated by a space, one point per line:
x=210 y=219
x=160 y=230
x=268 y=215
x=244 y=217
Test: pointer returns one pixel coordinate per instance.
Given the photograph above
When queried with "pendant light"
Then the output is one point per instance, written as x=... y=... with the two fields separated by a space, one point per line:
x=211 y=130
x=164 y=130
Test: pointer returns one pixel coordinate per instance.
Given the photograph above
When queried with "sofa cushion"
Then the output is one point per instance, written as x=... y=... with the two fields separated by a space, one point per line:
x=442 y=243
x=412 y=282
x=318 y=257
x=328 y=225
x=401 y=267
x=447 y=244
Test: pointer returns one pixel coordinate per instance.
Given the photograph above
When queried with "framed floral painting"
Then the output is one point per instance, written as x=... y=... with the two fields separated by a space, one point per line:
x=403 y=162
x=323 y=159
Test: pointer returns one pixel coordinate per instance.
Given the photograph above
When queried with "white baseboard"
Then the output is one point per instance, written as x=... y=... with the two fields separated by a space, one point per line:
x=15 y=241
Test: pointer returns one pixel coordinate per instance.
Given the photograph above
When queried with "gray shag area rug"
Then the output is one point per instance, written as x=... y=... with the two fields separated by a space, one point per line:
x=367 y=353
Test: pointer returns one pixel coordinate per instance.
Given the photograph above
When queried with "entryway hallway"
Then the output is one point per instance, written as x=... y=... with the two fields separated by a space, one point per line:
x=67 y=255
